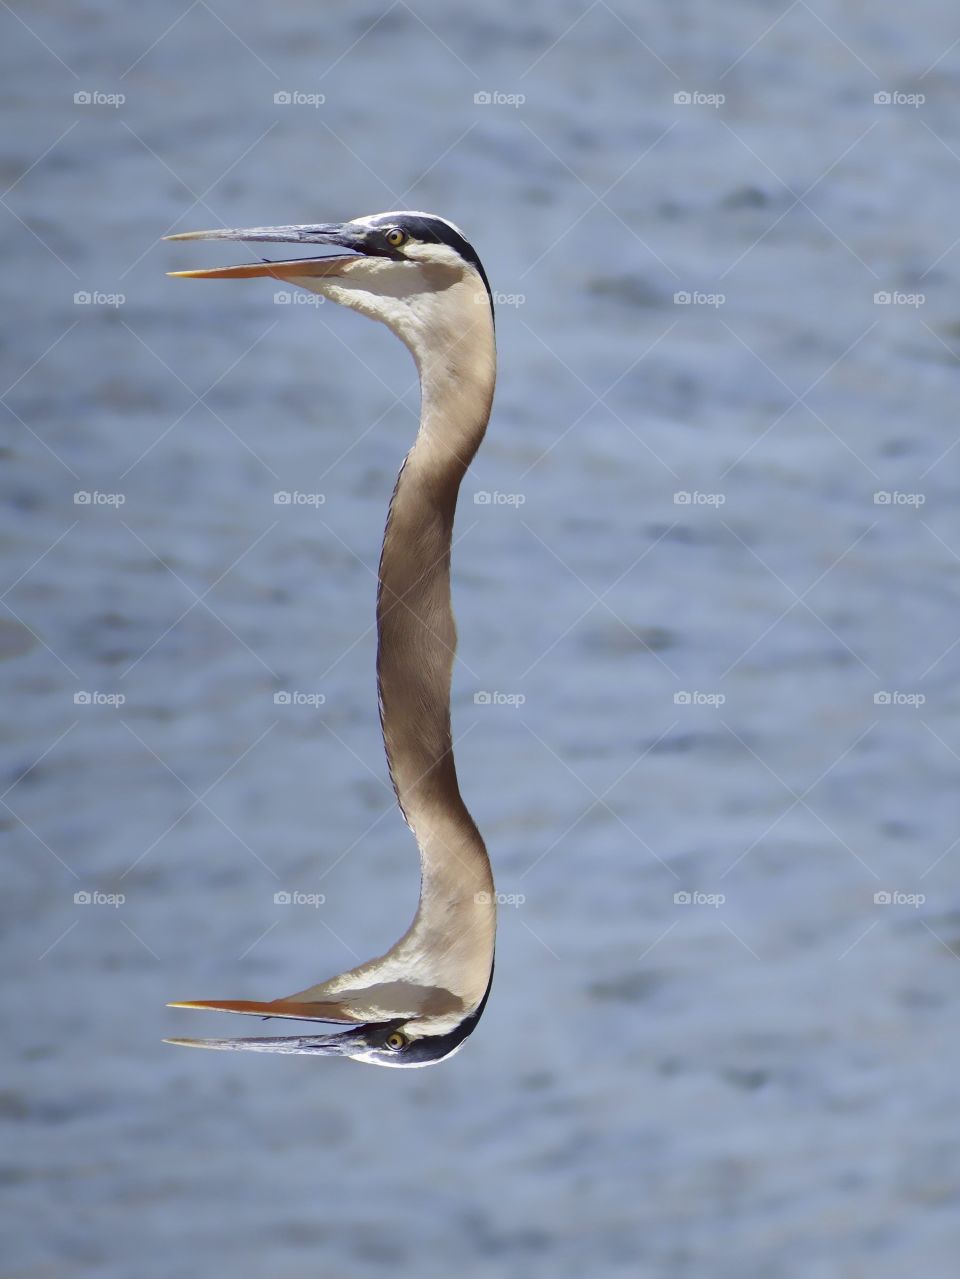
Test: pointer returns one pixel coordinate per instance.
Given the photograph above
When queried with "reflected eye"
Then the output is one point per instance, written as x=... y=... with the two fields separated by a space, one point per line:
x=396 y=237
x=395 y=1041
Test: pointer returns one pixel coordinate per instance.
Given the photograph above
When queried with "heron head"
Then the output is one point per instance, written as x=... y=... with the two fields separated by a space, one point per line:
x=400 y=1043
x=390 y=1044
x=415 y=272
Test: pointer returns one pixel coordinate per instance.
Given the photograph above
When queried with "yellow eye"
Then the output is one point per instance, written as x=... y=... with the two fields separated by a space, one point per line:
x=396 y=237
x=396 y=1041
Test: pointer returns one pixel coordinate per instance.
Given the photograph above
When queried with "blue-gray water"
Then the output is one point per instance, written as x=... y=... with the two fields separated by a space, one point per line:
x=763 y=1085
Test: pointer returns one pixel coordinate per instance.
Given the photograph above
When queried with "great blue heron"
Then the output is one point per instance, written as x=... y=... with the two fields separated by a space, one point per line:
x=417 y=274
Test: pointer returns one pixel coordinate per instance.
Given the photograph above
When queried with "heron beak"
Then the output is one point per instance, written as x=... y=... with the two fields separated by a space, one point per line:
x=324 y=1045
x=335 y=234
x=273 y=1008
x=343 y=1044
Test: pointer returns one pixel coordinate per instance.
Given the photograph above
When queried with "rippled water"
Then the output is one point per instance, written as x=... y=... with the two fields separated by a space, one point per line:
x=759 y=1081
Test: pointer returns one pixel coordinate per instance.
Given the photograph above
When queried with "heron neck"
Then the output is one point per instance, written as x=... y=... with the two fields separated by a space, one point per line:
x=416 y=630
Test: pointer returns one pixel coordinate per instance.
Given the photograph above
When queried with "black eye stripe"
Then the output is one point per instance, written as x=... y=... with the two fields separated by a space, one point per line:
x=436 y=1047
x=431 y=231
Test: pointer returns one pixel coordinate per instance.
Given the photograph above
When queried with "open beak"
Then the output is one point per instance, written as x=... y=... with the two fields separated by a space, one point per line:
x=330 y=1045
x=335 y=234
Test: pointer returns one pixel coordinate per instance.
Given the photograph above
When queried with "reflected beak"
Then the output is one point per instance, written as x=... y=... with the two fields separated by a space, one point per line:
x=335 y=234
